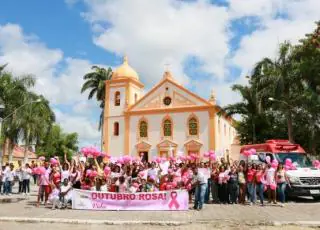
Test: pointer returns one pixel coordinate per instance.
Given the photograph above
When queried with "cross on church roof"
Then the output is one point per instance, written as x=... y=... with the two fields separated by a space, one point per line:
x=167 y=65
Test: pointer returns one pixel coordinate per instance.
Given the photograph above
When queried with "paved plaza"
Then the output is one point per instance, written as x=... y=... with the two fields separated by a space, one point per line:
x=301 y=212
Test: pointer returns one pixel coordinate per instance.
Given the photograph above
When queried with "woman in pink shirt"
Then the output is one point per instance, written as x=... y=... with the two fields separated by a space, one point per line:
x=250 y=184
x=259 y=178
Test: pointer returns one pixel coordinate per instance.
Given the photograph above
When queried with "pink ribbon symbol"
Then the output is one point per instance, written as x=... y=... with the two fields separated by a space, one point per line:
x=174 y=201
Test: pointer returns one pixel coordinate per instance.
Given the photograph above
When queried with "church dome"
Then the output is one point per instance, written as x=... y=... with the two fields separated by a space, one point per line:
x=125 y=71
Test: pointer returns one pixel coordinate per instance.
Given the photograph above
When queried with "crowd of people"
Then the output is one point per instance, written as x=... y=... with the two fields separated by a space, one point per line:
x=221 y=182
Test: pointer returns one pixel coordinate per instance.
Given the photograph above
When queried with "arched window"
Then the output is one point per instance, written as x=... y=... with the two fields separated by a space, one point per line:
x=116 y=129
x=135 y=97
x=117 y=98
x=193 y=126
x=167 y=128
x=143 y=129
x=219 y=127
x=225 y=129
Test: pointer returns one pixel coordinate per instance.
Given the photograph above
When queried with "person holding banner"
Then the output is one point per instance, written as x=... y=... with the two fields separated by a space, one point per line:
x=200 y=184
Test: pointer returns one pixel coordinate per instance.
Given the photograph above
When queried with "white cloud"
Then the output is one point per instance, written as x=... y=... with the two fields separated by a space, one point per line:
x=26 y=54
x=299 y=18
x=87 y=130
x=153 y=33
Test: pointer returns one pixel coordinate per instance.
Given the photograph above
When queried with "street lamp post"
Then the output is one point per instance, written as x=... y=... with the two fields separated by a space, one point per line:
x=3 y=119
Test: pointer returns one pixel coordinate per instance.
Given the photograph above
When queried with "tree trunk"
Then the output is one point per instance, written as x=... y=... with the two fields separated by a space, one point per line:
x=290 y=126
x=25 y=159
x=10 y=151
x=254 y=135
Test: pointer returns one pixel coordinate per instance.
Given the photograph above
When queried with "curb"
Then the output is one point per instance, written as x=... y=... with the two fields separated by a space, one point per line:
x=157 y=223
x=79 y=221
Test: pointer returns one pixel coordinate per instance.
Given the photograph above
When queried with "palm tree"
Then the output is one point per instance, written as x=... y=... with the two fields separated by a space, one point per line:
x=278 y=78
x=250 y=107
x=95 y=83
x=13 y=91
x=34 y=120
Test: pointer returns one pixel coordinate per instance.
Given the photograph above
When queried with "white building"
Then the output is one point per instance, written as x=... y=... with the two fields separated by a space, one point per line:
x=167 y=119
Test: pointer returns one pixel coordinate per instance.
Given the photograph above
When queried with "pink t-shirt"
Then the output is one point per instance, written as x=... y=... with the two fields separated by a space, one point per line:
x=250 y=175
x=44 y=179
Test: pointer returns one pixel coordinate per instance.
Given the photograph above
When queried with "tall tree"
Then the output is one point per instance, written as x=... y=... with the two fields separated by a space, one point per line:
x=95 y=84
x=33 y=120
x=249 y=108
x=279 y=77
x=13 y=91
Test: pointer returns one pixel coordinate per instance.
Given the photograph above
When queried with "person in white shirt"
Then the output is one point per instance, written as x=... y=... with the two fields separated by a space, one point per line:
x=199 y=181
x=18 y=173
x=8 y=179
x=66 y=192
x=26 y=175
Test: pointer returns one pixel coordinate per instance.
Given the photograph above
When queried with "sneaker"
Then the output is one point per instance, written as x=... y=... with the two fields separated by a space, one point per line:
x=250 y=203
x=282 y=205
x=42 y=202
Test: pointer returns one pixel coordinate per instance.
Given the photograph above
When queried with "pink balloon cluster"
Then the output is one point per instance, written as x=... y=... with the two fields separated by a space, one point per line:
x=107 y=170
x=211 y=155
x=288 y=165
x=249 y=152
x=39 y=171
x=91 y=173
x=316 y=164
x=53 y=161
x=93 y=152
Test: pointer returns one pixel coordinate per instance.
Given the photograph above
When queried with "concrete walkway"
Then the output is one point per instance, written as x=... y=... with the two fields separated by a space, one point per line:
x=307 y=214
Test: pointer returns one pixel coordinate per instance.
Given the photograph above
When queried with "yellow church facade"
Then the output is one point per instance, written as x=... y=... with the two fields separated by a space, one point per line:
x=167 y=120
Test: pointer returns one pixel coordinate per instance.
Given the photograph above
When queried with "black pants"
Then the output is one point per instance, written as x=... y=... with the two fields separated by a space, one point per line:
x=223 y=193
x=20 y=186
x=26 y=186
x=34 y=179
x=233 y=190
x=1 y=186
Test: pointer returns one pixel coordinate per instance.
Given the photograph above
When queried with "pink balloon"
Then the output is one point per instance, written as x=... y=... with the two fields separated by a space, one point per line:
x=206 y=154
x=120 y=160
x=189 y=158
x=288 y=161
x=287 y=167
x=107 y=170
x=158 y=160
x=172 y=159
x=316 y=164
x=53 y=161
x=41 y=170
x=274 y=165
x=212 y=157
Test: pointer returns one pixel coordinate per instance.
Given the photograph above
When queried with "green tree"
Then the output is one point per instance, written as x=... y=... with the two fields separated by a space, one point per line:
x=95 y=84
x=13 y=91
x=279 y=78
x=33 y=120
x=250 y=109
x=57 y=142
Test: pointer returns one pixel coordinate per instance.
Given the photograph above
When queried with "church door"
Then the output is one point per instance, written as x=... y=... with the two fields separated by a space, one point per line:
x=144 y=157
x=164 y=154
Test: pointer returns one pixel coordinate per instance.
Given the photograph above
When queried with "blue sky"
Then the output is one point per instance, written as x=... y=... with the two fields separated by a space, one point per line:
x=210 y=44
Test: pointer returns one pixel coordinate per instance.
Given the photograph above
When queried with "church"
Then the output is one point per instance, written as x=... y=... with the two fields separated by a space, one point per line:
x=168 y=120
